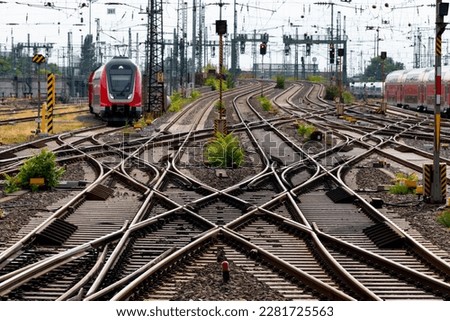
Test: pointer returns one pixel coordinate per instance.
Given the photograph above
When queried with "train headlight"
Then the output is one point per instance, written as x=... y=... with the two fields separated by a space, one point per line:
x=111 y=96
x=130 y=96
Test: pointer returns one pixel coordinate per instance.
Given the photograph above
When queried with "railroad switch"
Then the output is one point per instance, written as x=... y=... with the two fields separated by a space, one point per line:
x=377 y=202
x=316 y=136
x=381 y=164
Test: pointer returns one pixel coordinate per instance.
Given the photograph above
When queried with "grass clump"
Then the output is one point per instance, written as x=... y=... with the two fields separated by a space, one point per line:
x=400 y=189
x=444 y=218
x=225 y=151
x=265 y=103
x=305 y=130
x=42 y=165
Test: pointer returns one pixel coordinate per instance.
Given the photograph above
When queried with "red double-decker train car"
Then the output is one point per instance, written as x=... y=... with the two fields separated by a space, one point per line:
x=115 y=91
x=415 y=89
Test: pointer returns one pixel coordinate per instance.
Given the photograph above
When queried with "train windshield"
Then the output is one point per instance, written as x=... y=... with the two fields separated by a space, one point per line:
x=121 y=80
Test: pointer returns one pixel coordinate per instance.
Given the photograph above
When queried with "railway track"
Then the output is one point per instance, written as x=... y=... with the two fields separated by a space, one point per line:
x=155 y=218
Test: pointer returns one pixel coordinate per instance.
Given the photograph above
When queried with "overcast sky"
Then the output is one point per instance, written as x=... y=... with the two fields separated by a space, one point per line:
x=399 y=24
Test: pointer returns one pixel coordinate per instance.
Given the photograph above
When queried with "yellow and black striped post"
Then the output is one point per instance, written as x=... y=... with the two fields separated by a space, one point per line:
x=44 y=118
x=51 y=99
x=428 y=173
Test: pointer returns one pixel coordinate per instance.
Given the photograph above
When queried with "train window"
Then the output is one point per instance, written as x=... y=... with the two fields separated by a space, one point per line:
x=120 y=83
x=121 y=79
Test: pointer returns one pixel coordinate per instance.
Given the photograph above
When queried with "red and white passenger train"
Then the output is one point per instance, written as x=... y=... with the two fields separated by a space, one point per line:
x=115 y=91
x=415 y=89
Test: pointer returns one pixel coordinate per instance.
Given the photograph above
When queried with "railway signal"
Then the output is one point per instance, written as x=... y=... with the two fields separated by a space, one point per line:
x=383 y=106
x=220 y=124
x=263 y=48
x=331 y=54
x=38 y=59
x=225 y=271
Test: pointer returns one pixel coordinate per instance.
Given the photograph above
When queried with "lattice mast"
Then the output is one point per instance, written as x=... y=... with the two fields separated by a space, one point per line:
x=155 y=58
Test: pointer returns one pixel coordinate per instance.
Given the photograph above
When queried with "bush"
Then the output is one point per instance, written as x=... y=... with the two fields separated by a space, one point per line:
x=444 y=218
x=214 y=83
x=230 y=82
x=225 y=151
x=305 y=130
x=280 y=82
x=331 y=92
x=42 y=165
x=348 y=97
x=11 y=184
x=265 y=103
x=195 y=94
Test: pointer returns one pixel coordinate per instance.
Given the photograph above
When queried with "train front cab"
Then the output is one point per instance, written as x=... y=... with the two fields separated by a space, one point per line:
x=124 y=91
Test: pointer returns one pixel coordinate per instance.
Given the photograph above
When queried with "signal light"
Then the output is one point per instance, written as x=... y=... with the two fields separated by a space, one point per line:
x=262 y=49
x=331 y=54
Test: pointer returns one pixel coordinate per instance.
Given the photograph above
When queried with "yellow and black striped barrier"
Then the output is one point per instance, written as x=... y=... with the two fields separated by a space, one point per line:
x=428 y=179
x=51 y=99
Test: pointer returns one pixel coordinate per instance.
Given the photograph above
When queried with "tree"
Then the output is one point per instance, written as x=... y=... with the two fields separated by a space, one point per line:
x=88 y=60
x=88 y=63
x=5 y=66
x=373 y=70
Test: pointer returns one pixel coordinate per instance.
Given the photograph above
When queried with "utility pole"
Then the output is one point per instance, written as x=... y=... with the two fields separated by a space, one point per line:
x=201 y=25
x=234 y=55
x=332 y=46
x=254 y=54
x=439 y=177
x=194 y=40
x=183 y=48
